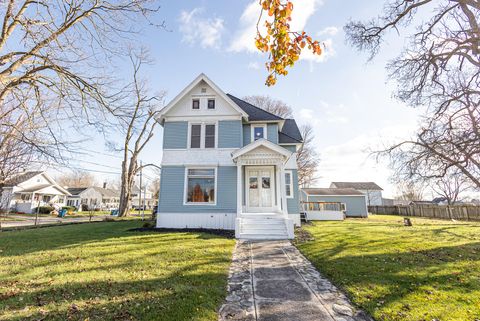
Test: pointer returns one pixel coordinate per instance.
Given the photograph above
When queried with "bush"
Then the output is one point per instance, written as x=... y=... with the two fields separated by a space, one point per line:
x=43 y=210
x=70 y=209
x=84 y=207
x=148 y=225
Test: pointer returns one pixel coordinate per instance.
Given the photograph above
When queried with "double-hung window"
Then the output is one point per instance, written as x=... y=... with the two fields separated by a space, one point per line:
x=202 y=135
x=200 y=185
x=288 y=184
x=195 y=136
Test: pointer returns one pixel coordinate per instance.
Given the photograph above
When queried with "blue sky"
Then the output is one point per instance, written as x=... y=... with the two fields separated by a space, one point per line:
x=345 y=98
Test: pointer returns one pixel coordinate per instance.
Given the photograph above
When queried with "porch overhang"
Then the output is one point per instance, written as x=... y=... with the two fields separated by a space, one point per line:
x=261 y=152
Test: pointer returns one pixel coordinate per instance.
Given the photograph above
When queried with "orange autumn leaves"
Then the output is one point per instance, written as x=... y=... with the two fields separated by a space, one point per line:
x=283 y=45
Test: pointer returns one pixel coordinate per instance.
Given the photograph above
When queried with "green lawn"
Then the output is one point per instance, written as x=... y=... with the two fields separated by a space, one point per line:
x=99 y=271
x=430 y=271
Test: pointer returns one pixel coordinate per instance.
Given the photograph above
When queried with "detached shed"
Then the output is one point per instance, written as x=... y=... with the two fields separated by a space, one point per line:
x=354 y=203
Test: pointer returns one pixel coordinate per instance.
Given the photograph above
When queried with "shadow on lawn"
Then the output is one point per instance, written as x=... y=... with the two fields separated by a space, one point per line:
x=180 y=296
x=14 y=243
x=399 y=274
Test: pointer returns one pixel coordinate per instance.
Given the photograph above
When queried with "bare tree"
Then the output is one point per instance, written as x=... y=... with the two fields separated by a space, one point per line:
x=273 y=106
x=439 y=69
x=307 y=158
x=410 y=191
x=54 y=58
x=76 y=178
x=138 y=111
x=451 y=186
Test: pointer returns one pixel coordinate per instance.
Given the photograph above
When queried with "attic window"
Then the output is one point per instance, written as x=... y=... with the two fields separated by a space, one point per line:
x=196 y=104
x=211 y=104
x=204 y=90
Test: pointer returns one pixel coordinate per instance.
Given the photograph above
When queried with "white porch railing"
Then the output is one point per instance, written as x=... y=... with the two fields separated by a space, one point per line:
x=324 y=211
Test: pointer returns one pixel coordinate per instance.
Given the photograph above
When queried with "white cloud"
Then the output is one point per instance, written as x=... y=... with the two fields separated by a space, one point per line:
x=329 y=31
x=244 y=37
x=205 y=31
x=253 y=65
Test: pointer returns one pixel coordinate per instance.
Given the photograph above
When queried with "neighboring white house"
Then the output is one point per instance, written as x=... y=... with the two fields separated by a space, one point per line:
x=372 y=191
x=29 y=190
x=147 y=198
x=92 y=198
x=227 y=164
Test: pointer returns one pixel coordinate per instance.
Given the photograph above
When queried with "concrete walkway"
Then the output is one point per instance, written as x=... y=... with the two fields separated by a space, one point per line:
x=273 y=281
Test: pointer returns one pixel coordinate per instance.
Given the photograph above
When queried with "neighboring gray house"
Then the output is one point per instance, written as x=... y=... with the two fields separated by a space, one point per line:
x=91 y=198
x=371 y=190
x=227 y=165
x=353 y=202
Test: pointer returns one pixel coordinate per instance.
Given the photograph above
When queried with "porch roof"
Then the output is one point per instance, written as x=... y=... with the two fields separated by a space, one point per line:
x=261 y=151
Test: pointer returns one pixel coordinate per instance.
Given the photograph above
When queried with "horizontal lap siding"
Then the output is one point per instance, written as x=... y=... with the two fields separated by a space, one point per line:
x=293 y=203
x=272 y=133
x=230 y=134
x=175 y=135
x=246 y=135
x=172 y=192
x=356 y=205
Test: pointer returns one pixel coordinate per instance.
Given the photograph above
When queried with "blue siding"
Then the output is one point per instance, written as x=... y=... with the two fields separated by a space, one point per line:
x=272 y=133
x=246 y=134
x=293 y=203
x=291 y=148
x=230 y=134
x=175 y=135
x=172 y=192
x=356 y=205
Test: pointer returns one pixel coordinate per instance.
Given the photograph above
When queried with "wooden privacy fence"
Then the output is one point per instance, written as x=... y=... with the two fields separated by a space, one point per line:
x=457 y=212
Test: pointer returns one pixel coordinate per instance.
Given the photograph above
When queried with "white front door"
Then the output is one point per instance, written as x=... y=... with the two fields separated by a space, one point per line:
x=259 y=186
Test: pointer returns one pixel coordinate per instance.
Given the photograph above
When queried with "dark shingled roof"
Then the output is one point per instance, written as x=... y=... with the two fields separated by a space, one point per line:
x=76 y=190
x=290 y=133
x=331 y=191
x=21 y=178
x=254 y=113
x=358 y=185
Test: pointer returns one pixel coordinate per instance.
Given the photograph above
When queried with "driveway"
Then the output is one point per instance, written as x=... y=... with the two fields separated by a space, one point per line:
x=273 y=281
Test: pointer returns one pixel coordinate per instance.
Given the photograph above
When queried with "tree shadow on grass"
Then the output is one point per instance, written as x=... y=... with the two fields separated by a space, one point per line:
x=23 y=242
x=448 y=270
x=180 y=296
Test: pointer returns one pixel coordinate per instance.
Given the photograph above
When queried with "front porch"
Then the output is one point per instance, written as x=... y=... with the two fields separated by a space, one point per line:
x=262 y=211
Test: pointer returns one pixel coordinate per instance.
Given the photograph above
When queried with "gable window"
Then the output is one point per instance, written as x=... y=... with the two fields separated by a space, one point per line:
x=259 y=132
x=196 y=104
x=195 y=136
x=200 y=185
x=209 y=136
x=202 y=135
x=211 y=104
x=288 y=184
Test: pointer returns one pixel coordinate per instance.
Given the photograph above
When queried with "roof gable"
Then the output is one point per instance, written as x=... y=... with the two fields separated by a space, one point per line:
x=201 y=80
x=261 y=144
x=21 y=178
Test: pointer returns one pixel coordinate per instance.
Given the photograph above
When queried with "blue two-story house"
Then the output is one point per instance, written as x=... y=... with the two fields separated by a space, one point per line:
x=227 y=165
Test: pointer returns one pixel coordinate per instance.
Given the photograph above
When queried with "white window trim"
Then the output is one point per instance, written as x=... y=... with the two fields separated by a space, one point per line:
x=199 y=104
x=252 y=130
x=185 y=186
x=292 y=192
x=202 y=135
x=214 y=103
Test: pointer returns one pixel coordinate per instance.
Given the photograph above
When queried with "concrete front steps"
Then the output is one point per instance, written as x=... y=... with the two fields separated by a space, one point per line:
x=263 y=226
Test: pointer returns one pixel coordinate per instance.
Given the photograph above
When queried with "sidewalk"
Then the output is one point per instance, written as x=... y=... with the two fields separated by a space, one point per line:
x=273 y=281
x=23 y=221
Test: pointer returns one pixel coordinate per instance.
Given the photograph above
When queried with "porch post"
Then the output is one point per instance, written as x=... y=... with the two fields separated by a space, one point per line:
x=283 y=191
x=278 y=188
x=239 y=188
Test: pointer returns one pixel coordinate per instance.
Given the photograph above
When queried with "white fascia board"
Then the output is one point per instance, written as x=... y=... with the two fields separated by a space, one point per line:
x=261 y=142
x=160 y=118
